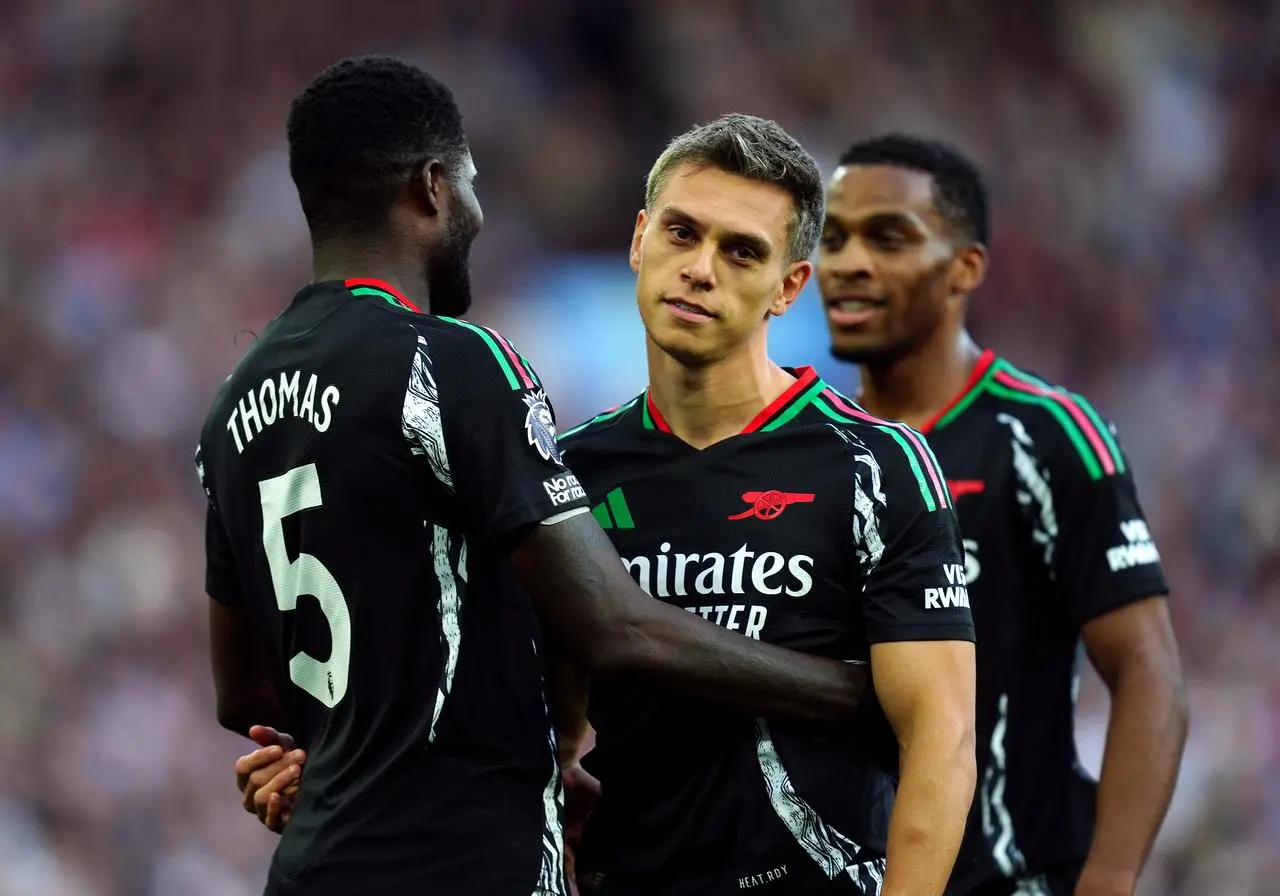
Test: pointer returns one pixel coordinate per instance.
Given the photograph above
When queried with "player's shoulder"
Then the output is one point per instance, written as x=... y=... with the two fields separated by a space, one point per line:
x=1051 y=418
x=474 y=350
x=893 y=449
x=218 y=410
x=223 y=394
x=842 y=418
x=601 y=431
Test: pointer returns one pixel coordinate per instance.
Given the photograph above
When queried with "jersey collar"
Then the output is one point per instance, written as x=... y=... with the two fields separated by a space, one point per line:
x=982 y=371
x=780 y=411
x=380 y=289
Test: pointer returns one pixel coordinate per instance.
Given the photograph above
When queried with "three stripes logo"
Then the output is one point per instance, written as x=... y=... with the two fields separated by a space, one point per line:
x=613 y=512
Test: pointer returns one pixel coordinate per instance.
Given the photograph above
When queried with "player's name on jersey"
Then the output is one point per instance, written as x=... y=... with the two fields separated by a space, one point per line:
x=745 y=572
x=279 y=397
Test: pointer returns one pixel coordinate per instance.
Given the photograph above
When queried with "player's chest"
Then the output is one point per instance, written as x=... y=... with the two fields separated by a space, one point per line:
x=993 y=502
x=751 y=543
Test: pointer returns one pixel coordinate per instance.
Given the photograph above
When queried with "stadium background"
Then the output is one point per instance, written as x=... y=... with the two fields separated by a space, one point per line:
x=146 y=217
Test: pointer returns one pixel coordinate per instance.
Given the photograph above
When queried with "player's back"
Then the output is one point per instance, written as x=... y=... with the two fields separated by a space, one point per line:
x=407 y=662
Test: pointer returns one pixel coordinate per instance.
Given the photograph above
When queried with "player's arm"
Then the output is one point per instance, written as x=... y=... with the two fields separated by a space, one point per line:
x=917 y=615
x=584 y=594
x=243 y=692
x=568 y=685
x=498 y=462
x=1134 y=651
x=1109 y=573
x=927 y=691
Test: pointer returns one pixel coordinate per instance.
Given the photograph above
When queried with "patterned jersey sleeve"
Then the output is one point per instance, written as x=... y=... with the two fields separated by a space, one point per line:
x=475 y=409
x=908 y=544
x=1098 y=546
x=221 y=581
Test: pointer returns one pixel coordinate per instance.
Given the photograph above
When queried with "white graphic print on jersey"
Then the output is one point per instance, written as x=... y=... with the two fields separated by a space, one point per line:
x=1034 y=493
x=866 y=519
x=831 y=850
x=997 y=822
x=420 y=420
x=551 y=876
x=450 y=612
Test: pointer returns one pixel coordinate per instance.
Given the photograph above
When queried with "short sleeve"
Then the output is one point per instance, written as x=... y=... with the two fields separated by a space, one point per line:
x=477 y=411
x=908 y=544
x=1103 y=555
x=221 y=581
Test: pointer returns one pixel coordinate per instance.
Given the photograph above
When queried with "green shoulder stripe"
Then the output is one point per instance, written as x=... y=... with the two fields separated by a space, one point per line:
x=600 y=418
x=517 y=371
x=1084 y=426
x=924 y=466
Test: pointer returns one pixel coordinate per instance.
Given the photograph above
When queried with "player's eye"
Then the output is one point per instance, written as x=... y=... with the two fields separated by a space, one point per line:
x=680 y=233
x=832 y=240
x=890 y=240
x=742 y=254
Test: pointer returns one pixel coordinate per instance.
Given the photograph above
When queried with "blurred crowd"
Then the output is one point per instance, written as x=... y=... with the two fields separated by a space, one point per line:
x=148 y=227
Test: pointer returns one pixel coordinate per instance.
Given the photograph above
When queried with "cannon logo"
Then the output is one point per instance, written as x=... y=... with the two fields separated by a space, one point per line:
x=770 y=504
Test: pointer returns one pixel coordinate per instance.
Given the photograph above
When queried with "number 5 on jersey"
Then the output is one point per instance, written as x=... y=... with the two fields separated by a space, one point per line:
x=283 y=496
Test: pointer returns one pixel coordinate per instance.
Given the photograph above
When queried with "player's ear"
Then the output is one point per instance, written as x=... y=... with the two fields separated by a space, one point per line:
x=641 y=220
x=793 y=282
x=968 y=269
x=429 y=186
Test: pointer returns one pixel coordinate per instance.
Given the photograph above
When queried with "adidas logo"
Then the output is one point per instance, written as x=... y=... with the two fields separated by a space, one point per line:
x=613 y=512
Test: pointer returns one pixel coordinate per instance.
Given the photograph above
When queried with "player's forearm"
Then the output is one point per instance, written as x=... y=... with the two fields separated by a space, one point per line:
x=571 y=737
x=588 y=602
x=569 y=687
x=1145 y=738
x=936 y=782
x=707 y=663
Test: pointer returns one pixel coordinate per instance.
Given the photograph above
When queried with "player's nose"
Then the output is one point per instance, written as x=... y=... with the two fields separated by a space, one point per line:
x=850 y=262
x=699 y=268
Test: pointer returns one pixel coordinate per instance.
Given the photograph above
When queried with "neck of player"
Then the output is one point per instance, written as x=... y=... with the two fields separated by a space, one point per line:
x=346 y=259
x=708 y=403
x=914 y=387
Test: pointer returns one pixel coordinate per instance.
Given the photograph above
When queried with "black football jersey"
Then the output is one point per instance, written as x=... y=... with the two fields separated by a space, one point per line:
x=818 y=528
x=1054 y=536
x=364 y=465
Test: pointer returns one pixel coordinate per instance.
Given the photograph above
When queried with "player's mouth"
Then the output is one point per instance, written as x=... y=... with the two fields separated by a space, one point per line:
x=853 y=311
x=690 y=312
